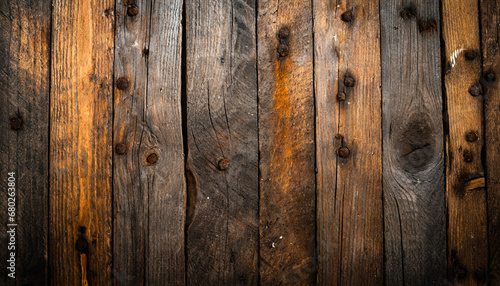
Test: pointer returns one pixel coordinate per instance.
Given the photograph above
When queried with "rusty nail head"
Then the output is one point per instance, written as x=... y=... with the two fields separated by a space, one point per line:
x=16 y=123
x=490 y=76
x=470 y=55
x=432 y=25
x=132 y=10
x=471 y=136
x=341 y=96
x=82 y=245
x=468 y=157
x=152 y=158
x=476 y=89
x=407 y=13
x=122 y=83
x=283 y=50
x=145 y=51
x=349 y=81
x=423 y=26
x=223 y=164
x=343 y=152
x=283 y=33
x=120 y=148
x=346 y=16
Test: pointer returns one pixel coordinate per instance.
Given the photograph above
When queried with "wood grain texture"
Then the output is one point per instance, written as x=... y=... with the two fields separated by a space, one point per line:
x=490 y=21
x=286 y=140
x=350 y=223
x=466 y=200
x=130 y=199
x=222 y=233
x=24 y=77
x=414 y=192
x=80 y=142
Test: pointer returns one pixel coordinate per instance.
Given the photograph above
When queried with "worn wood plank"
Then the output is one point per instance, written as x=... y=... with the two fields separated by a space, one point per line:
x=130 y=199
x=24 y=96
x=222 y=233
x=414 y=193
x=286 y=143
x=490 y=28
x=466 y=197
x=80 y=142
x=347 y=62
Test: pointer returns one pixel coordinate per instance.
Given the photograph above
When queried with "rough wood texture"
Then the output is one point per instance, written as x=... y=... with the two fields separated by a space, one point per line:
x=130 y=200
x=24 y=93
x=466 y=197
x=222 y=233
x=490 y=27
x=80 y=142
x=349 y=189
x=414 y=193
x=286 y=139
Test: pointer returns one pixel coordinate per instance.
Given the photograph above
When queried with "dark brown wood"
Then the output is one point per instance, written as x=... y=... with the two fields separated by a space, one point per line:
x=350 y=224
x=130 y=192
x=286 y=139
x=24 y=129
x=490 y=21
x=465 y=189
x=414 y=191
x=222 y=233
x=80 y=142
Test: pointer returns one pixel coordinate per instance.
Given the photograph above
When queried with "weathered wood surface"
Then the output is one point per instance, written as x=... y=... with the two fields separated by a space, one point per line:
x=490 y=28
x=24 y=129
x=414 y=201
x=221 y=88
x=465 y=181
x=80 y=142
x=286 y=139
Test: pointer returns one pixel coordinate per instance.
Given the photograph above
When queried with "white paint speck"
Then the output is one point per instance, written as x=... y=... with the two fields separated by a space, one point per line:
x=281 y=237
x=208 y=198
x=454 y=56
x=273 y=245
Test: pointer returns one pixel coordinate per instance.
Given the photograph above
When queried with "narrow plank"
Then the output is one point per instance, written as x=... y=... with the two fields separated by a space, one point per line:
x=130 y=197
x=222 y=233
x=466 y=197
x=350 y=223
x=490 y=17
x=80 y=142
x=286 y=143
x=161 y=148
x=24 y=77
x=413 y=151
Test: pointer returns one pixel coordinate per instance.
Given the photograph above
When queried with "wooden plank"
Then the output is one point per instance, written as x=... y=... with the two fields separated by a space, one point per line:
x=222 y=233
x=80 y=142
x=24 y=129
x=286 y=140
x=413 y=151
x=490 y=21
x=347 y=62
x=466 y=197
x=130 y=196
x=162 y=148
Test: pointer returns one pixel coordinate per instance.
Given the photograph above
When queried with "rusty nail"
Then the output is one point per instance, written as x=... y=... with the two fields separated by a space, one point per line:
x=343 y=152
x=132 y=10
x=16 y=123
x=471 y=136
x=82 y=245
x=346 y=16
x=470 y=55
x=432 y=25
x=283 y=50
x=152 y=158
x=145 y=51
x=476 y=89
x=283 y=33
x=122 y=83
x=407 y=13
x=468 y=157
x=223 y=164
x=349 y=81
x=490 y=76
x=120 y=148
x=423 y=26
x=341 y=96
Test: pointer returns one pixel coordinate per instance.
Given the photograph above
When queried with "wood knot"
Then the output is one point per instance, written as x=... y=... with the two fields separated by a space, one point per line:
x=415 y=144
x=152 y=158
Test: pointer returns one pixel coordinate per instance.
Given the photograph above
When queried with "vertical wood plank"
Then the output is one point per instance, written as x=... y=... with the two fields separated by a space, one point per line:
x=130 y=199
x=24 y=77
x=466 y=197
x=162 y=148
x=350 y=224
x=222 y=233
x=490 y=28
x=286 y=139
x=414 y=193
x=80 y=142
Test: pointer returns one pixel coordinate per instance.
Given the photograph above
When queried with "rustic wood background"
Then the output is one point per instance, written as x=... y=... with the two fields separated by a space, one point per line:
x=245 y=142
